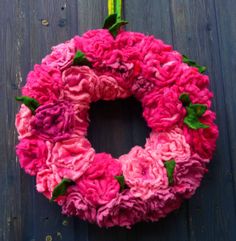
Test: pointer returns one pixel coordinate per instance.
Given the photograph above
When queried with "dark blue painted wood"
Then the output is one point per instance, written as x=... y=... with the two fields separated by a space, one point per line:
x=204 y=30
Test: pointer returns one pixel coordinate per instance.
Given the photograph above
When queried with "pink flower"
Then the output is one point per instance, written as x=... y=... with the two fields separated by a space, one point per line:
x=61 y=56
x=79 y=82
x=143 y=173
x=203 y=141
x=98 y=184
x=54 y=121
x=71 y=157
x=169 y=145
x=76 y=205
x=124 y=211
x=161 y=204
x=142 y=87
x=163 y=111
x=46 y=181
x=32 y=154
x=109 y=89
x=196 y=85
x=188 y=176
x=43 y=84
x=95 y=44
x=22 y=122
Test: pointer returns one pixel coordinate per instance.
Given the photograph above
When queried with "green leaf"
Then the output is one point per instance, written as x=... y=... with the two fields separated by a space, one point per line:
x=194 y=111
x=81 y=60
x=170 y=168
x=110 y=20
x=31 y=103
x=198 y=109
x=184 y=98
x=61 y=188
x=194 y=123
x=191 y=62
x=121 y=180
x=114 y=29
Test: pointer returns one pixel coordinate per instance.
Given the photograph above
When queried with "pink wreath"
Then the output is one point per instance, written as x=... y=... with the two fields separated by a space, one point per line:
x=147 y=183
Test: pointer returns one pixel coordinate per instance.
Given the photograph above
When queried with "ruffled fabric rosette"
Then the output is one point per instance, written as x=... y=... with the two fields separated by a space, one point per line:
x=148 y=182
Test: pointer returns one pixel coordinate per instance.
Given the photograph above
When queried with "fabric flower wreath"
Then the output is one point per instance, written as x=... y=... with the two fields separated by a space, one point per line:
x=148 y=182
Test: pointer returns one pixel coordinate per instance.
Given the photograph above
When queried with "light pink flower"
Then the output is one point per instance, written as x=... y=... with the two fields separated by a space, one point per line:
x=169 y=145
x=80 y=81
x=33 y=154
x=61 y=56
x=124 y=211
x=43 y=84
x=22 y=122
x=98 y=184
x=144 y=174
x=71 y=157
x=76 y=205
x=46 y=181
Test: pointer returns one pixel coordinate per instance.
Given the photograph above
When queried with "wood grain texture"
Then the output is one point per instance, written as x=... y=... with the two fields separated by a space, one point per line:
x=203 y=30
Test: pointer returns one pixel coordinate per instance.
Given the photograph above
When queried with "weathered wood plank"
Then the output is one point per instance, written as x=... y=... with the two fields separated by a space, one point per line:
x=42 y=219
x=195 y=34
x=153 y=17
x=10 y=201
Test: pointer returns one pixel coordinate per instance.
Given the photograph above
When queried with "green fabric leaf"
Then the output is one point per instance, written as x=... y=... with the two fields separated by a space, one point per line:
x=114 y=29
x=31 y=103
x=170 y=168
x=110 y=21
x=191 y=62
x=198 y=109
x=194 y=123
x=184 y=98
x=81 y=60
x=61 y=188
x=194 y=111
x=121 y=180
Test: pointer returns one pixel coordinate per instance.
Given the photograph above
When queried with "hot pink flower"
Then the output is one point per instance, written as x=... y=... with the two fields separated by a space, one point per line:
x=98 y=184
x=203 y=141
x=95 y=44
x=76 y=205
x=61 y=56
x=32 y=154
x=22 y=122
x=71 y=157
x=123 y=211
x=54 y=121
x=196 y=85
x=143 y=173
x=169 y=145
x=43 y=84
x=164 y=111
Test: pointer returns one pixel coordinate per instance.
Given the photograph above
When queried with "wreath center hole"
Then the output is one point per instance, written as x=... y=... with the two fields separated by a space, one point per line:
x=116 y=126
